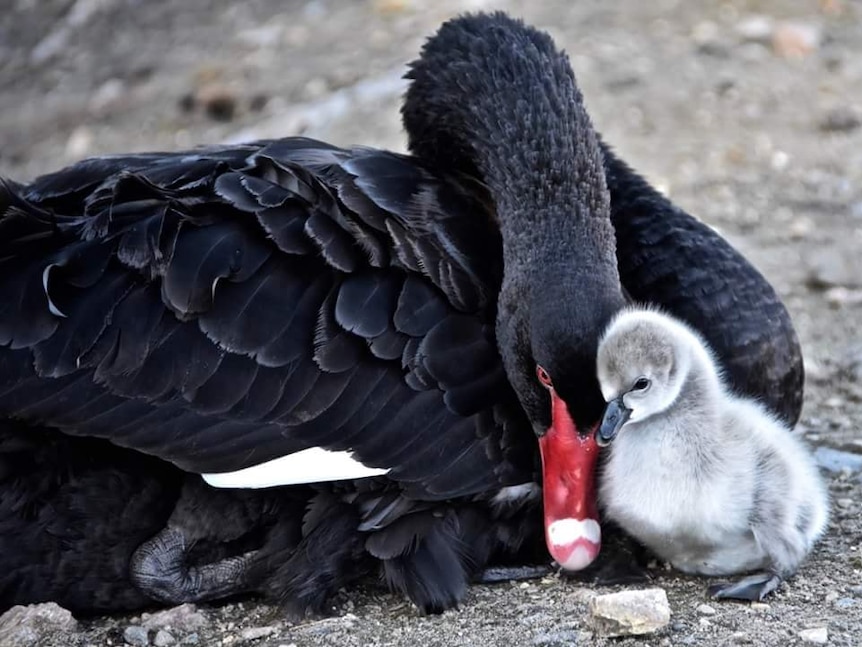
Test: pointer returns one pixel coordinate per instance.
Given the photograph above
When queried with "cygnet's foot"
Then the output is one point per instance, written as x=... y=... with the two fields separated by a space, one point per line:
x=498 y=574
x=752 y=588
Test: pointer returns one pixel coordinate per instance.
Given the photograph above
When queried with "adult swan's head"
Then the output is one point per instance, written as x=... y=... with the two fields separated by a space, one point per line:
x=495 y=99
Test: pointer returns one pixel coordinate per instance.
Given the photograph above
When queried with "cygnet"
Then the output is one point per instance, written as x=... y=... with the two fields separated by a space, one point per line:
x=709 y=481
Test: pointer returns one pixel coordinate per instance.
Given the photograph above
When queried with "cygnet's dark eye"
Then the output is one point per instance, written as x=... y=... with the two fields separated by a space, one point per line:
x=641 y=384
x=544 y=378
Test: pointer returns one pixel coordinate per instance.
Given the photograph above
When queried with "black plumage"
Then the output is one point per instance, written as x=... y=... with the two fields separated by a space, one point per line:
x=72 y=513
x=221 y=307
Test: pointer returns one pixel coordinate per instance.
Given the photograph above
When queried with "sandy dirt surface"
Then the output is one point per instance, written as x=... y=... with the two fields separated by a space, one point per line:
x=747 y=113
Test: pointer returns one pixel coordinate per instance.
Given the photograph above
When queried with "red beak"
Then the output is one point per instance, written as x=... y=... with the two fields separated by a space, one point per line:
x=572 y=530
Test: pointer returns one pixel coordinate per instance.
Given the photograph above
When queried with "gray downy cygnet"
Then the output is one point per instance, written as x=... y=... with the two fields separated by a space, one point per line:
x=709 y=481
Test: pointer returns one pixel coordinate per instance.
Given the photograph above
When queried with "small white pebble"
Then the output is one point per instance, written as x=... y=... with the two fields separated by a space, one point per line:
x=815 y=635
x=795 y=40
x=801 y=228
x=755 y=28
x=779 y=160
x=80 y=142
x=629 y=613
x=706 y=610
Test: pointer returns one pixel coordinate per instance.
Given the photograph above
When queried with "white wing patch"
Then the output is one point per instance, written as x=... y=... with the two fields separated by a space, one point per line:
x=313 y=465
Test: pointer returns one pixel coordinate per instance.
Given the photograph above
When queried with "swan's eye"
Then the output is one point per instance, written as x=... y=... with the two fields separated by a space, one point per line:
x=544 y=378
x=641 y=384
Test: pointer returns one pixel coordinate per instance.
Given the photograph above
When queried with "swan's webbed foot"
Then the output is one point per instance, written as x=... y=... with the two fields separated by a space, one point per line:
x=497 y=574
x=160 y=569
x=201 y=554
x=752 y=588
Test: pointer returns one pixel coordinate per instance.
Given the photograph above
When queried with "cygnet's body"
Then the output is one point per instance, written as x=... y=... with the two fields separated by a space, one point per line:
x=709 y=481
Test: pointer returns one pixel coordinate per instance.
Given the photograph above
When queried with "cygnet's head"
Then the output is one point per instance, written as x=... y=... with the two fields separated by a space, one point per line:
x=643 y=360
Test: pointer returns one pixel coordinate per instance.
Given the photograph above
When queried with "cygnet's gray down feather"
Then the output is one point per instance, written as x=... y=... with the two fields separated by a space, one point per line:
x=709 y=481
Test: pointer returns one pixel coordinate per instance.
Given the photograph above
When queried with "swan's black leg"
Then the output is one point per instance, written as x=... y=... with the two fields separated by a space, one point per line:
x=752 y=588
x=200 y=554
x=159 y=568
x=497 y=574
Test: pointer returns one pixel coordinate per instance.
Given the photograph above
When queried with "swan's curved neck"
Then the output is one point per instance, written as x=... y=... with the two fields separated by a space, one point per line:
x=495 y=99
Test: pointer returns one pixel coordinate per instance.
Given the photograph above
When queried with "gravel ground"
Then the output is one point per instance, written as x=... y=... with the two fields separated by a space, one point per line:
x=746 y=112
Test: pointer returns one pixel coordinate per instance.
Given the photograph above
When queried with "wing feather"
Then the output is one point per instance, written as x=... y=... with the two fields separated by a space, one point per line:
x=222 y=307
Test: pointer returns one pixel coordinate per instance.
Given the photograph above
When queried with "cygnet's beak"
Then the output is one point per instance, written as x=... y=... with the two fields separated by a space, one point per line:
x=616 y=415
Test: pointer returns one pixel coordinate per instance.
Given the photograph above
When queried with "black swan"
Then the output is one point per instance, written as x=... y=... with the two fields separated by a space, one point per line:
x=709 y=481
x=429 y=314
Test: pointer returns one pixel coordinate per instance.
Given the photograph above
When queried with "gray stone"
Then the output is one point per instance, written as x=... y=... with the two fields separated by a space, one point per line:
x=329 y=625
x=184 y=618
x=253 y=633
x=163 y=638
x=840 y=120
x=629 y=613
x=840 y=296
x=833 y=267
x=136 y=635
x=23 y=626
x=835 y=460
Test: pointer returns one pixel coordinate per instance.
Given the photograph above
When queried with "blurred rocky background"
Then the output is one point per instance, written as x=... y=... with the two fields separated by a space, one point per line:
x=748 y=113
